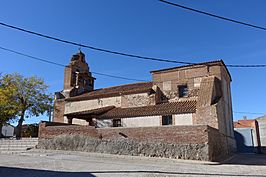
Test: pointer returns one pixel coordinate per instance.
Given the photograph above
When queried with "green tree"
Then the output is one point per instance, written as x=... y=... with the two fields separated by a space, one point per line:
x=29 y=97
x=8 y=106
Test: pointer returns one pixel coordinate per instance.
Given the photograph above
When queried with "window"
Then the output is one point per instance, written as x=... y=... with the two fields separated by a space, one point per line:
x=183 y=91
x=167 y=120
x=117 y=123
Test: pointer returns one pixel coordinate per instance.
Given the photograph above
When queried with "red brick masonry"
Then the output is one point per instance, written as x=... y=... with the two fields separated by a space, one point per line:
x=197 y=134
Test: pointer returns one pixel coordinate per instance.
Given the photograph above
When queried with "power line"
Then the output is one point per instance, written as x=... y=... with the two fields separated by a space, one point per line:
x=118 y=53
x=119 y=77
x=255 y=113
x=93 y=48
x=213 y=15
x=102 y=74
x=61 y=65
x=32 y=57
x=247 y=66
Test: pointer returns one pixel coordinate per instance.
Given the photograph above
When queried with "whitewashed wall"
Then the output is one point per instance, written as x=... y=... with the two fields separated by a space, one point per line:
x=77 y=121
x=141 y=121
x=133 y=100
x=147 y=121
x=92 y=104
x=183 y=119
x=178 y=119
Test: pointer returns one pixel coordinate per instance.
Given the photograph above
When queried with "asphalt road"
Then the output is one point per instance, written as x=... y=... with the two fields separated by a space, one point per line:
x=78 y=164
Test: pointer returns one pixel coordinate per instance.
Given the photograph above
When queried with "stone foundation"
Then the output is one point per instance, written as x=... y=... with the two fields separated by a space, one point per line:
x=195 y=142
x=126 y=147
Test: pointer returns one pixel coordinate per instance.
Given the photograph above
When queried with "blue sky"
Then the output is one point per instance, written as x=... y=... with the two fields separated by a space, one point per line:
x=148 y=28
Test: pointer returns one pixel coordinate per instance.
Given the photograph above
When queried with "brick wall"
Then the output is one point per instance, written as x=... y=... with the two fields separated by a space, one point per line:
x=201 y=142
x=167 y=134
x=52 y=129
x=59 y=109
x=220 y=146
x=209 y=83
x=68 y=83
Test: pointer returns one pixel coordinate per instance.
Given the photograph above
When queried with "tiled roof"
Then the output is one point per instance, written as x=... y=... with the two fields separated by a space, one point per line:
x=91 y=111
x=141 y=87
x=244 y=123
x=160 y=109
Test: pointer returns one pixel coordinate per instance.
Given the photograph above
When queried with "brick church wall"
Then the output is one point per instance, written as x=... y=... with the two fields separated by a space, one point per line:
x=198 y=142
x=59 y=109
x=49 y=130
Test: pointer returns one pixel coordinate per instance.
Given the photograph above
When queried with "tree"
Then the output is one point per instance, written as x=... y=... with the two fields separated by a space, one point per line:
x=28 y=97
x=8 y=105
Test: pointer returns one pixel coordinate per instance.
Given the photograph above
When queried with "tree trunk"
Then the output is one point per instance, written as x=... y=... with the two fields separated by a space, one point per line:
x=19 y=126
x=1 y=125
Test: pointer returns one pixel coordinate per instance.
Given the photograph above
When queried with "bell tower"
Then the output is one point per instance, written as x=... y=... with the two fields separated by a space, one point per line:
x=77 y=77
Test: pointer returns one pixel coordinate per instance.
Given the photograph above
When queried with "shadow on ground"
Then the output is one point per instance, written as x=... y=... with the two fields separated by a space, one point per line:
x=24 y=172
x=171 y=173
x=246 y=159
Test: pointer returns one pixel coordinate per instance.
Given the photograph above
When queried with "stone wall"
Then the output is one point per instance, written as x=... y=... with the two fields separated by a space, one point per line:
x=186 y=142
x=126 y=147
x=137 y=100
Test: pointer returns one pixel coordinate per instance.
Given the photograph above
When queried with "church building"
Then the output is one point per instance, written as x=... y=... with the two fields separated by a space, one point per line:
x=184 y=96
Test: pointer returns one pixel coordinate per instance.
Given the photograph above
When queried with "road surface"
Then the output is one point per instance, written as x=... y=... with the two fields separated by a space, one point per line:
x=80 y=164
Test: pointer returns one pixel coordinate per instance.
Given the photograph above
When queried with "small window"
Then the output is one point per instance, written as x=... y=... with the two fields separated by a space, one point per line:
x=167 y=120
x=117 y=123
x=183 y=91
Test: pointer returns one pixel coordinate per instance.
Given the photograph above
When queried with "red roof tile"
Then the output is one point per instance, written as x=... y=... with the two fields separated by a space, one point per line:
x=244 y=124
x=160 y=109
x=141 y=87
x=91 y=111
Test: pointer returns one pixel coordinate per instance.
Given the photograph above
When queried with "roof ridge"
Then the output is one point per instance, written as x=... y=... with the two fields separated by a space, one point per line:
x=116 y=90
x=193 y=64
x=196 y=64
x=124 y=85
x=129 y=84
